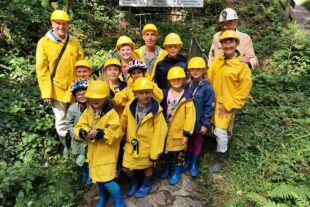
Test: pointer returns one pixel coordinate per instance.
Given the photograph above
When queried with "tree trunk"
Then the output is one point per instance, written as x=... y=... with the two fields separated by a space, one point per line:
x=287 y=12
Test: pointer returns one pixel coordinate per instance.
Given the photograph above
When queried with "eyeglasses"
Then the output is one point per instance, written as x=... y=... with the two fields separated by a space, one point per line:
x=228 y=42
x=81 y=94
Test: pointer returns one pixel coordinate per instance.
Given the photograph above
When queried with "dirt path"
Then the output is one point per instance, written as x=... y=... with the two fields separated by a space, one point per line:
x=301 y=15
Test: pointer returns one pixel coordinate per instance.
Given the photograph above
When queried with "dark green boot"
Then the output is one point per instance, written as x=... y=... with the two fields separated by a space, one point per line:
x=219 y=162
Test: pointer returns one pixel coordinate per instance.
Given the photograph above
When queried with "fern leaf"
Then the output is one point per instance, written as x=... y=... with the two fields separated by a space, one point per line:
x=259 y=200
x=300 y=202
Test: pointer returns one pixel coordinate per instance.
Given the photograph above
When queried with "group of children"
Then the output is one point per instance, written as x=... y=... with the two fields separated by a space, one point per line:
x=135 y=116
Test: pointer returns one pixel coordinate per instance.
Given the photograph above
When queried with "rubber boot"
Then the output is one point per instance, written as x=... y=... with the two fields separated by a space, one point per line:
x=187 y=162
x=194 y=169
x=118 y=199
x=145 y=187
x=85 y=175
x=175 y=178
x=166 y=172
x=103 y=195
x=65 y=151
x=133 y=186
x=219 y=162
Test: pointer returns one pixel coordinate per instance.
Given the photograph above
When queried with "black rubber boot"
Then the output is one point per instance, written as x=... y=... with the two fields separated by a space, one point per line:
x=219 y=162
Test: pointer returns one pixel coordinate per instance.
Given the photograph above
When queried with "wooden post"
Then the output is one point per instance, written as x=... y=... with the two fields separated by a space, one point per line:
x=287 y=12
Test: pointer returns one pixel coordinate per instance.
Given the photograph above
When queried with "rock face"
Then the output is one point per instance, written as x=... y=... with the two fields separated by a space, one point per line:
x=184 y=194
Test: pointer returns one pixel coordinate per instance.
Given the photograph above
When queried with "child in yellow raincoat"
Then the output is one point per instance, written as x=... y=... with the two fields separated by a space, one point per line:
x=232 y=82
x=84 y=70
x=112 y=70
x=180 y=116
x=146 y=129
x=136 y=69
x=125 y=48
x=100 y=126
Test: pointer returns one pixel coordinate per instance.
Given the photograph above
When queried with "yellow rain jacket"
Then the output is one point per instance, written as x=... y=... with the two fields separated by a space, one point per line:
x=161 y=56
x=125 y=96
x=46 y=55
x=102 y=153
x=122 y=85
x=151 y=134
x=232 y=82
x=182 y=122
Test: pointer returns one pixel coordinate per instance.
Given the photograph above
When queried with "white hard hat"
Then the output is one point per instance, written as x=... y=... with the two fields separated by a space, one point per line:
x=228 y=14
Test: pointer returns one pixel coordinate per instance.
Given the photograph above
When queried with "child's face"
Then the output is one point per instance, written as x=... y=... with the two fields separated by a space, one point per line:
x=83 y=73
x=97 y=104
x=176 y=83
x=80 y=96
x=144 y=97
x=112 y=72
x=173 y=50
x=197 y=73
x=136 y=73
x=125 y=52
x=150 y=37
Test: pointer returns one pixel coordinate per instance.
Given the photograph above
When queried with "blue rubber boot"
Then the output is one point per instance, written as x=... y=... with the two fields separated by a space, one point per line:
x=118 y=199
x=175 y=178
x=187 y=162
x=145 y=187
x=166 y=172
x=133 y=186
x=85 y=175
x=194 y=169
x=103 y=195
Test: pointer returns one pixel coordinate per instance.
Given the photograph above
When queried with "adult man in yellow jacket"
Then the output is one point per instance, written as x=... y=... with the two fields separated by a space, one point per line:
x=229 y=21
x=53 y=90
x=150 y=53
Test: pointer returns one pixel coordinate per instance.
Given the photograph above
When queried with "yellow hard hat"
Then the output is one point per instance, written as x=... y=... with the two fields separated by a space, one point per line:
x=59 y=15
x=83 y=63
x=148 y=27
x=229 y=34
x=176 y=72
x=124 y=40
x=142 y=83
x=173 y=39
x=97 y=89
x=197 y=62
x=112 y=61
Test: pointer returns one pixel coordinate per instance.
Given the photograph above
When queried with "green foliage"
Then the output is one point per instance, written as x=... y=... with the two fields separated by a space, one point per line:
x=285 y=195
x=306 y=3
x=271 y=138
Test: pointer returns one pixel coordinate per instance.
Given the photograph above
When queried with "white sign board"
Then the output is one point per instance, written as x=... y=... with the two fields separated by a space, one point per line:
x=162 y=3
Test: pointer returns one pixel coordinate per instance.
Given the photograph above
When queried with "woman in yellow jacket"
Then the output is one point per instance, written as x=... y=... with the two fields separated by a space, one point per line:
x=100 y=126
x=180 y=116
x=125 y=48
x=232 y=82
x=136 y=69
x=146 y=129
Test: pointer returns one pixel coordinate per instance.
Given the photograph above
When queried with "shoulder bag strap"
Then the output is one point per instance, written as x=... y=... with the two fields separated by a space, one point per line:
x=59 y=57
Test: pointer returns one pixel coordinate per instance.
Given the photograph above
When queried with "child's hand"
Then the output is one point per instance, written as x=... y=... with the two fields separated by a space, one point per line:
x=92 y=134
x=222 y=111
x=184 y=140
x=203 y=130
x=47 y=101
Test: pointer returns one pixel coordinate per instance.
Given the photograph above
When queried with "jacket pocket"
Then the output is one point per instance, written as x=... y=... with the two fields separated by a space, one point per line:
x=61 y=83
x=177 y=138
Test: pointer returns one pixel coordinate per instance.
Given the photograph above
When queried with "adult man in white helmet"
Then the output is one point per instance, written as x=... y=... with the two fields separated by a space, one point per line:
x=55 y=79
x=229 y=21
